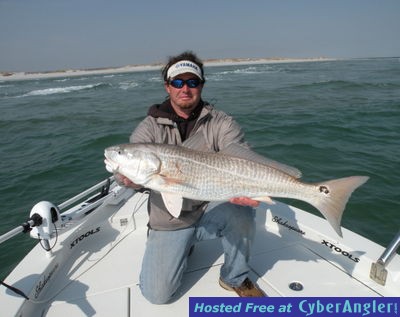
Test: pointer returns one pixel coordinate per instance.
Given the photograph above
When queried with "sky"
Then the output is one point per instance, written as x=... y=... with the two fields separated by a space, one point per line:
x=49 y=35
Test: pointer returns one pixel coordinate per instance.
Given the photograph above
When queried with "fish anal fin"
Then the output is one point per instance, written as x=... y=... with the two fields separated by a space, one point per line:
x=265 y=199
x=173 y=203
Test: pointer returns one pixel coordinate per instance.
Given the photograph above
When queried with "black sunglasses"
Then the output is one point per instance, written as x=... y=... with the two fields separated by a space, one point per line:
x=179 y=83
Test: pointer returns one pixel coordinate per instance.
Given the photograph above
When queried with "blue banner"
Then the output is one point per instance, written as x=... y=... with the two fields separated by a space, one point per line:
x=294 y=306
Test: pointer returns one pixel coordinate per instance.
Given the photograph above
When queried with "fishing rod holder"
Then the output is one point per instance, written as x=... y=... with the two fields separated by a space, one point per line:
x=378 y=271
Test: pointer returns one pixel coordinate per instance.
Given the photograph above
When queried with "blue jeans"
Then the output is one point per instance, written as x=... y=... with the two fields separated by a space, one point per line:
x=166 y=254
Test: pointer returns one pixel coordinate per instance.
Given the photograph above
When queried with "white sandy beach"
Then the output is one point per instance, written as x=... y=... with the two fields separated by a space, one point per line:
x=6 y=76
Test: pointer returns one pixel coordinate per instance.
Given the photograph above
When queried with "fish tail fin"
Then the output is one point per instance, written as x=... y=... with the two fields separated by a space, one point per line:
x=332 y=198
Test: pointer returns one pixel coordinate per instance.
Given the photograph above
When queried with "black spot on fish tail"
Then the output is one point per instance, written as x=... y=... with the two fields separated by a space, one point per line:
x=324 y=189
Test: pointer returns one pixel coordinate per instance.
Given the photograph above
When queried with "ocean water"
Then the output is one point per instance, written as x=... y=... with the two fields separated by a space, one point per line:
x=330 y=119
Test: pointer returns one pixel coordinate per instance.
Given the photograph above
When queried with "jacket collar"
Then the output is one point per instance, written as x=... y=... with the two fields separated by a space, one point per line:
x=165 y=115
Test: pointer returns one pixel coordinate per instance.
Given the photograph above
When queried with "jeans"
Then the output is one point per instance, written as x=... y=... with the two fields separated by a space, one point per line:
x=166 y=254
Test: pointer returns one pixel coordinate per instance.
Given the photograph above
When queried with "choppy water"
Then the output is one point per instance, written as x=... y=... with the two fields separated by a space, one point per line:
x=329 y=119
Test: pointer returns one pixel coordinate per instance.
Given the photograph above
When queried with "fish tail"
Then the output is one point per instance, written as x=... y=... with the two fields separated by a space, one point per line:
x=332 y=197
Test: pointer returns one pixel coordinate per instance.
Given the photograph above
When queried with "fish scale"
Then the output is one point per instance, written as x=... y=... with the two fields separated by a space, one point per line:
x=230 y=177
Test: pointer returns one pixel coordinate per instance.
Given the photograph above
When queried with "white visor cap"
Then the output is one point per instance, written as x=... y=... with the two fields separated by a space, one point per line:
x=182 y=67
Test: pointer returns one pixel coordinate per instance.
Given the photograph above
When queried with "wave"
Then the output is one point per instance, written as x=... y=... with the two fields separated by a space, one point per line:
x=62 y=80
x=249 y=70
x=155 y=79
x=5 y=86
x=125 y=85
x=346 y=85
x=61 y=90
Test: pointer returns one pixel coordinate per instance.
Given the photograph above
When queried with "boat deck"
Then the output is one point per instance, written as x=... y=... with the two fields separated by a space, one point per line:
x=94 y=270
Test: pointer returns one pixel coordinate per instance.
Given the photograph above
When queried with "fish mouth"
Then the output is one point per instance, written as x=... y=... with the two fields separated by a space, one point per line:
x=111 y=166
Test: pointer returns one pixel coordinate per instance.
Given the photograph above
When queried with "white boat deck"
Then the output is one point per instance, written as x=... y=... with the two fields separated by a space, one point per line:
x=94 y=270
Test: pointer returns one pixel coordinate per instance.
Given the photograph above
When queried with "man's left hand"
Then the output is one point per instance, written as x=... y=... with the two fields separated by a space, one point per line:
x=244 y=201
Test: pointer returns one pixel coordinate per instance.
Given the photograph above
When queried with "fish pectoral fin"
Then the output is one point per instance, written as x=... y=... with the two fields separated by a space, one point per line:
x=265 y=199
x=166 y=180
x=173 y=203
x=169 y=180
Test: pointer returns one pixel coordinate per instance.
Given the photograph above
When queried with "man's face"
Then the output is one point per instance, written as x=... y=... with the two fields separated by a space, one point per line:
x=185 y=98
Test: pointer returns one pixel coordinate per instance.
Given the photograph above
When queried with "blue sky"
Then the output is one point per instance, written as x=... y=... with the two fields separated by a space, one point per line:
x=39 y=35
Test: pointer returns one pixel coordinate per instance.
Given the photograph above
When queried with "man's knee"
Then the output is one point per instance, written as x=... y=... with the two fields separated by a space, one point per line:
x=155 y=297
x=158 y=292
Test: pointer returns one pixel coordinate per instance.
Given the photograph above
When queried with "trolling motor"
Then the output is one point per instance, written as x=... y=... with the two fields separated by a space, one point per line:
x=42 y=224
x=46 y=217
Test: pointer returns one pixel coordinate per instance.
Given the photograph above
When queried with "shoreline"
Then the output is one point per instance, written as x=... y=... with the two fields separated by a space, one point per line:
x=10 y=76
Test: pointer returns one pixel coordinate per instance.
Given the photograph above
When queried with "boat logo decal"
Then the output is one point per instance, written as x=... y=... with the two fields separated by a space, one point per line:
x=339 y=250
x=83 y=236
x=44 y=280
x=286 y=224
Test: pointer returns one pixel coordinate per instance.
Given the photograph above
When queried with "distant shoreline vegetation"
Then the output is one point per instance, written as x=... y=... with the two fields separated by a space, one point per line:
x=9 y=75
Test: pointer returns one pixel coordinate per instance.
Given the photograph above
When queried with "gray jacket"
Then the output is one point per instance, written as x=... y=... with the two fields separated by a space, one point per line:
x=213 y=131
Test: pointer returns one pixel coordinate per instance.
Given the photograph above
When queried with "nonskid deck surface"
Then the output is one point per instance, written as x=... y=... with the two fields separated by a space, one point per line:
x=99 y=274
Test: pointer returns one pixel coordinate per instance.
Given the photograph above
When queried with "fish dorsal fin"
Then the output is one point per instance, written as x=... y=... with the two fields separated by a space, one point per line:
x=173 y=203
x=241 y=151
